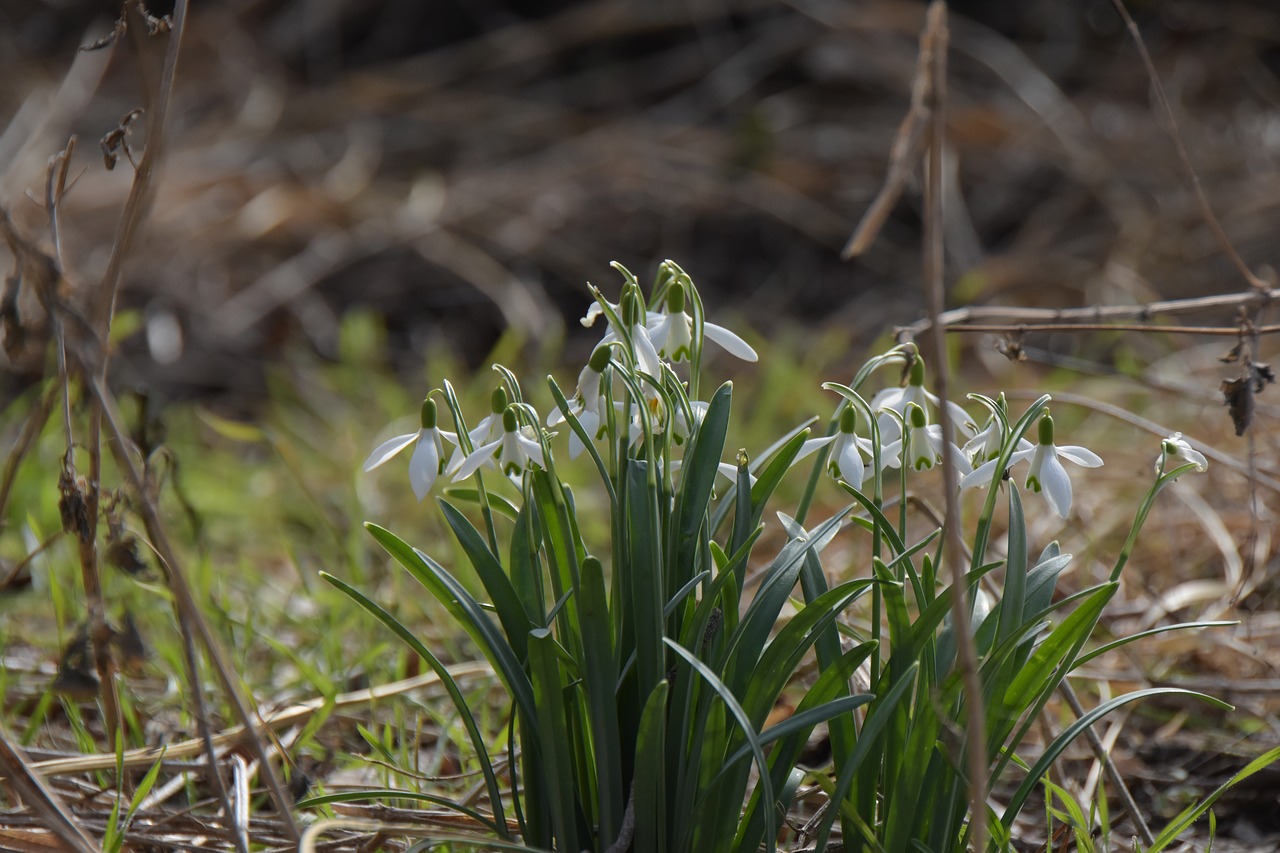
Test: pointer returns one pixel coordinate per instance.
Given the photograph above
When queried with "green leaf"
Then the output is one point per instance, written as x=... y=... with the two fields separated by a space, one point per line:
x=1062 y=741
x=511 y=612
x=557 y=780
x=649 y=787
x=449 y=684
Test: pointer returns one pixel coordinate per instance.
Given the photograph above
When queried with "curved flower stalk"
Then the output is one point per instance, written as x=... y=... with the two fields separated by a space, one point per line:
x=892 y=400
x=1177 y=450
x=671 y=330
x=514 y=452
x=1046 y=475
x=427 y=462
x=845 y=460
x=920 y=447
x=488 y=430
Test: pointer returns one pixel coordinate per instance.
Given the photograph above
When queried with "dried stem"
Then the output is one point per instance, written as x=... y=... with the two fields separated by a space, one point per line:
x=934 y=47
x=43 y=802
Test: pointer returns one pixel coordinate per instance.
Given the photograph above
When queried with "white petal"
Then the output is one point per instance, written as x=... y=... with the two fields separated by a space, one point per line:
x=980 y=476
x=732 y=344
x=646 y=354
x=424 y=466
x=1082 y=456
x=592 y=313
x=813 y=444
x=850 y=463
x=389 y=448
x=480 y=456
x=1056 y=485
x=530 y=449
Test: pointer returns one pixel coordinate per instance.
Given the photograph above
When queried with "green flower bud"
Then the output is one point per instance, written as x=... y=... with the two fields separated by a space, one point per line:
x=848 y=420
x=675 y=298
x=599 y=359
x=917 y=372
x=1046 y=430
x=918 y=420
x=498 y=400
x=509 y=422
x=428 y=414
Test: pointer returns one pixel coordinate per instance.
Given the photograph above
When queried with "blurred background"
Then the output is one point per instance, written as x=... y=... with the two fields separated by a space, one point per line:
x=461 y=168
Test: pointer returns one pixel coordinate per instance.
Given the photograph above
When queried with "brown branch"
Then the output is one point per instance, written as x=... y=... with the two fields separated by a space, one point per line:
x=1206 y=211
x=1014 y=315
x=1014 y=328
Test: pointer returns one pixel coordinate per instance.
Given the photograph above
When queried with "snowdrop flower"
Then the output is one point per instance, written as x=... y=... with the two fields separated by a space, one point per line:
x=636 y=318
x=898 y=399
x=516 y=450
x=672 y=331
x=921 y=448
x=1179 y=451
x=986 y=445
x=587 y=404
x=1047 y=475
x=485 y=432
x=845 y=460
x=427 y=461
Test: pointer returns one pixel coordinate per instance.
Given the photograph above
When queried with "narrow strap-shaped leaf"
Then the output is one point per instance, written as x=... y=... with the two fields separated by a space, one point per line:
x=1062 y=741
x=468 y=613
x=649 y=786
x=1012 y=599
x=506 y=602
x=558 y=778
x=600 y=677
x=450 y=686
x=731 y=704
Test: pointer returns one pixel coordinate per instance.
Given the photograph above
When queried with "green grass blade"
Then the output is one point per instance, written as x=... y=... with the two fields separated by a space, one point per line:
x=1179 y=825
x=468 y=613
x=600 y=678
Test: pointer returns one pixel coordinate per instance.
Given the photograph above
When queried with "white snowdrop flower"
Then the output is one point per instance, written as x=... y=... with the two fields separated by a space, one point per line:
x=923 y=446
x=898 y=399
x=515 y=451
x=672 y=331
x=845 y=461
x=588 y=405
x=427 y=462
x=1176 y=451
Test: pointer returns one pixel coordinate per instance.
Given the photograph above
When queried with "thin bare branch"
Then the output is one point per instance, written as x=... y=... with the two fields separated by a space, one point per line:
x=41 y=799
x=933 y=50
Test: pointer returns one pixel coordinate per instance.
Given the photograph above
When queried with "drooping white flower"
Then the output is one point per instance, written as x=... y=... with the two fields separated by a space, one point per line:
x=898 y=399
x=672 y=331
x=588 y=405
x=1176 y=451
x=1046 y=475
x=986 y=445
x=923 y=446
x=845 y=460
x=514 y=451
x=488 y=430
x=427 y=462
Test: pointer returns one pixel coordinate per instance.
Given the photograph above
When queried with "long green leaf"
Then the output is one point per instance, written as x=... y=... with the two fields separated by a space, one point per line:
x=450 y=686
x=469 y=614
x=506 y=602
x=649 y=786
x=1062 y=741
x=558 y=778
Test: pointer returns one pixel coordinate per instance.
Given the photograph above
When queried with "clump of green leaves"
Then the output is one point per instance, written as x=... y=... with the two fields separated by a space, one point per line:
x=642 y=673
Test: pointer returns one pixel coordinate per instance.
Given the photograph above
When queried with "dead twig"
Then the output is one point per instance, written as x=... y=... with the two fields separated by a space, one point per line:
x=933 y=67
x=41 y=799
